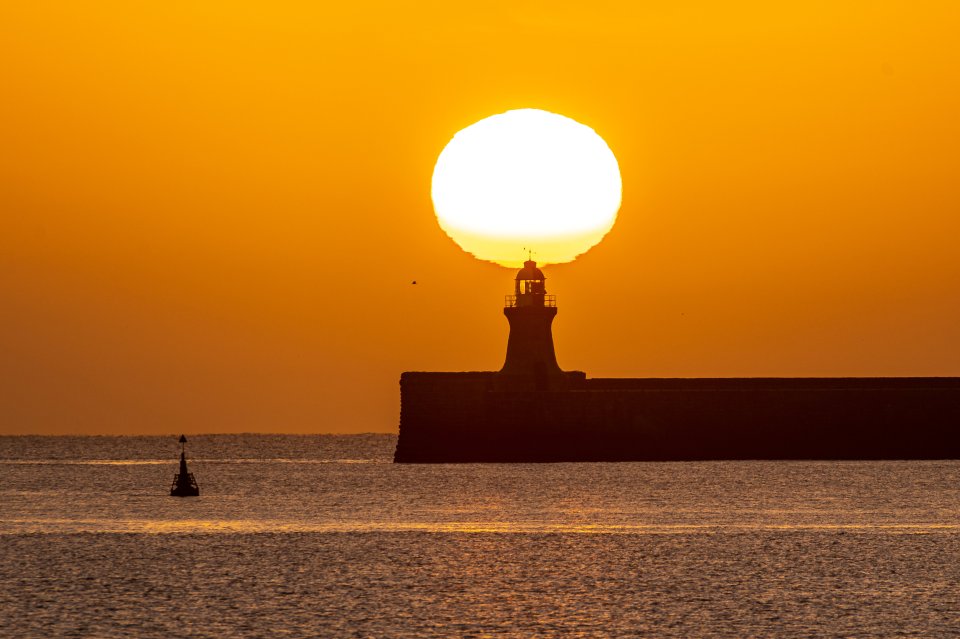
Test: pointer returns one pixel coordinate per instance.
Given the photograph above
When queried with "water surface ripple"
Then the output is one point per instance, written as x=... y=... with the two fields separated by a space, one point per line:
x=323 y=536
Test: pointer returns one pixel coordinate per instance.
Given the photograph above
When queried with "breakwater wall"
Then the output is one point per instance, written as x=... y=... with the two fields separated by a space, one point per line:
x=486 y=417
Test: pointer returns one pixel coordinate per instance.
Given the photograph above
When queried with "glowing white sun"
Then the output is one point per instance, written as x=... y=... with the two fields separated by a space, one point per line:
x=526 y=179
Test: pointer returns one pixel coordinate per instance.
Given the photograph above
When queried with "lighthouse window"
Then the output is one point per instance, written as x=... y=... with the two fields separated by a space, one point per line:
x=533 y=286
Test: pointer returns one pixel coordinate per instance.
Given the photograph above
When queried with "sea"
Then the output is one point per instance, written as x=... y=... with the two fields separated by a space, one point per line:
x=322 y=536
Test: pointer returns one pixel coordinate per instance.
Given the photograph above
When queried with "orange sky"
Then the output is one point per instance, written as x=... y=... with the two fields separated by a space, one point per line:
x=210 y=213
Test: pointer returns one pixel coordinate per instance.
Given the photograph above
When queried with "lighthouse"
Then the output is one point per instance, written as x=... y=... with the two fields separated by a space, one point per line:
x=531 y=361
x=531 y=411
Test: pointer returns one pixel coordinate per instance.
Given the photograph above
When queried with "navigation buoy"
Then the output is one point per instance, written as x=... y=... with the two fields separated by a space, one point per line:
x=184 y=485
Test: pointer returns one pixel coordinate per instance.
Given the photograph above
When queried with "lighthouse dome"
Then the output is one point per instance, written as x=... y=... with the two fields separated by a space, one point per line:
x=530 y=272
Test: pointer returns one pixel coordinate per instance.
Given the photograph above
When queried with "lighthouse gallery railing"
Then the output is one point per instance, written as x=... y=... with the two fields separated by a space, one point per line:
x=510 y=301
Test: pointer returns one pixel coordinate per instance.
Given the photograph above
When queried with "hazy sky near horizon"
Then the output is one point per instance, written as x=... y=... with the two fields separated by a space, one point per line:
x=211 y=212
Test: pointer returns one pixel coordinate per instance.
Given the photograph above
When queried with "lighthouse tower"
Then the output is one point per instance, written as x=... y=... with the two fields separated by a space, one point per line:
x=531 y=360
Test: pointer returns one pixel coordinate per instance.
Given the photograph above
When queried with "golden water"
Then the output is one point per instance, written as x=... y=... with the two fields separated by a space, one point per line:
x=323 y=536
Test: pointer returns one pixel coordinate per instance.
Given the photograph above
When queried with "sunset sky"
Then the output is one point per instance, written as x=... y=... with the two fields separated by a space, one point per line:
x=211 y=212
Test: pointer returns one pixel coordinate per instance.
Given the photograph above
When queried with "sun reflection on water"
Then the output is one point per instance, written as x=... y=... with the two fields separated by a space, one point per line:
x=248 y=526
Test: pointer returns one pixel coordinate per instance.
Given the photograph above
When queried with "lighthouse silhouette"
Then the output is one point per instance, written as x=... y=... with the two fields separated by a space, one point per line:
x=531 y=360
x=531 y=411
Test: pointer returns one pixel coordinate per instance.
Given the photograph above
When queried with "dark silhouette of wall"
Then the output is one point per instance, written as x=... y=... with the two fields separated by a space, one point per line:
x=481 y=417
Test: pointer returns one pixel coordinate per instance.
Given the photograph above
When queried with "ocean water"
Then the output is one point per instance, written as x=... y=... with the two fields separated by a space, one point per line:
x=323 y=536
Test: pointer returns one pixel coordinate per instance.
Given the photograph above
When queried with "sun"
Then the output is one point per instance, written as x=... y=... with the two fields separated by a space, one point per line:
x=526 y=180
